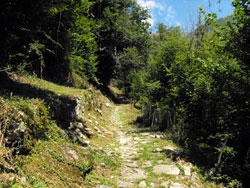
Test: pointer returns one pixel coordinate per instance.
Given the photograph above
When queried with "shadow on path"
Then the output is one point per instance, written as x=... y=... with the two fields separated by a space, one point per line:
x=115 y=97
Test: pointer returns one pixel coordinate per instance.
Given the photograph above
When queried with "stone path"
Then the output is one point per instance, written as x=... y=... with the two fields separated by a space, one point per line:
x=137 y=171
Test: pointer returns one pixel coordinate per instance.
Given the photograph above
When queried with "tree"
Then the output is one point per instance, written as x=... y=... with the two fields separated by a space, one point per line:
x=239 y=32
x=83 y=52
x=121 y=25
x=34 y=36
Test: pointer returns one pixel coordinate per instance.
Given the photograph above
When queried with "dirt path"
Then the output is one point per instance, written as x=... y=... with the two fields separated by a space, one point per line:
x=148 y=159
x=144 y=160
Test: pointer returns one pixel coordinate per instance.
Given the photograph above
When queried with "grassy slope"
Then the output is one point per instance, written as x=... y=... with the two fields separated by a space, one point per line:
x=52 y=158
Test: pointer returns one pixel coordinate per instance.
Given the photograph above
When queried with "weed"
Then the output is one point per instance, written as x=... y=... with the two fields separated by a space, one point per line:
x=93 y=179
x=17 y=186
x=57 y=156
x=84 y=167
x=38 y=183
x=182 y=170
x=104 y=158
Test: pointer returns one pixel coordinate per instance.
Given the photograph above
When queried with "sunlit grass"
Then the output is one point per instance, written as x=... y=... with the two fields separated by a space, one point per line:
x=55 y=88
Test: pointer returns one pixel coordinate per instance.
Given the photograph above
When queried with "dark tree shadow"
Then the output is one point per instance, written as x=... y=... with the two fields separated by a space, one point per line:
x=60 y=106
x=114 y=97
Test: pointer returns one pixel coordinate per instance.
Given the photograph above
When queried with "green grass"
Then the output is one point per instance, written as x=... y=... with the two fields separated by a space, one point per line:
x=49 y=86
x=48 y=163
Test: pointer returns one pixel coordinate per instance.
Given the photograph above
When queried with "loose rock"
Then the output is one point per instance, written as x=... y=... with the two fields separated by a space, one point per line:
x=177 y=185
x=147 y=164
x=137 y=174
x=166 y=169
x=187 y=170
x=97 y=129
x=79 y=125
x=143 y=184
x=122 y=184
x=165 y=184
x=102 y=186
x=107 y=105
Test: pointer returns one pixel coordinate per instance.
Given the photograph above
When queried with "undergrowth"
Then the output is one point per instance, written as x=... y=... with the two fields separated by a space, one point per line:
x=35 y=150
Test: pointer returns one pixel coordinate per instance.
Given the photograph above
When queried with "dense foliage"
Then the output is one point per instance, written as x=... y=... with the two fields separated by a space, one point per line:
x=196 y=89
x=59 y=39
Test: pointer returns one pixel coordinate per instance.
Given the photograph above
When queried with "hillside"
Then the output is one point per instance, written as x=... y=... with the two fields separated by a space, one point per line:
x=51 y=134
x=89 y=97
x=57 y=136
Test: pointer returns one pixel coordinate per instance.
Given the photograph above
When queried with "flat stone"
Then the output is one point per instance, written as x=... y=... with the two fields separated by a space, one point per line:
x=172 y=148
x=102 y=186
x=131 y=165
x=187 y=170
x=143 y=184
x=177 y=185
x=166 y=169
x=165 y=184
x=146 y=134
x=137 y=138
x=123 y=141
x=122 y=184
x=136 y=174
x=147 y=164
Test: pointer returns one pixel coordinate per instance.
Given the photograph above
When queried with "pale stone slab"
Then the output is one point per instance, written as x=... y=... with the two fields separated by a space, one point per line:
x=146 y=134
x=166 y=169
x=165 y=184
x=144 y=142
x=187 y=170
x=102 y=186
x=136 y=174
x=143 y=184
x=131 y=165
x=123 y=141
x=172 y=148
x=177 y=185
x=122 y=184
x=147 y=164
x=136 y=138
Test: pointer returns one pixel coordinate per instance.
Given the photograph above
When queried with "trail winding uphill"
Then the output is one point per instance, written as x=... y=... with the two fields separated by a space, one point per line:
x=147 y=158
